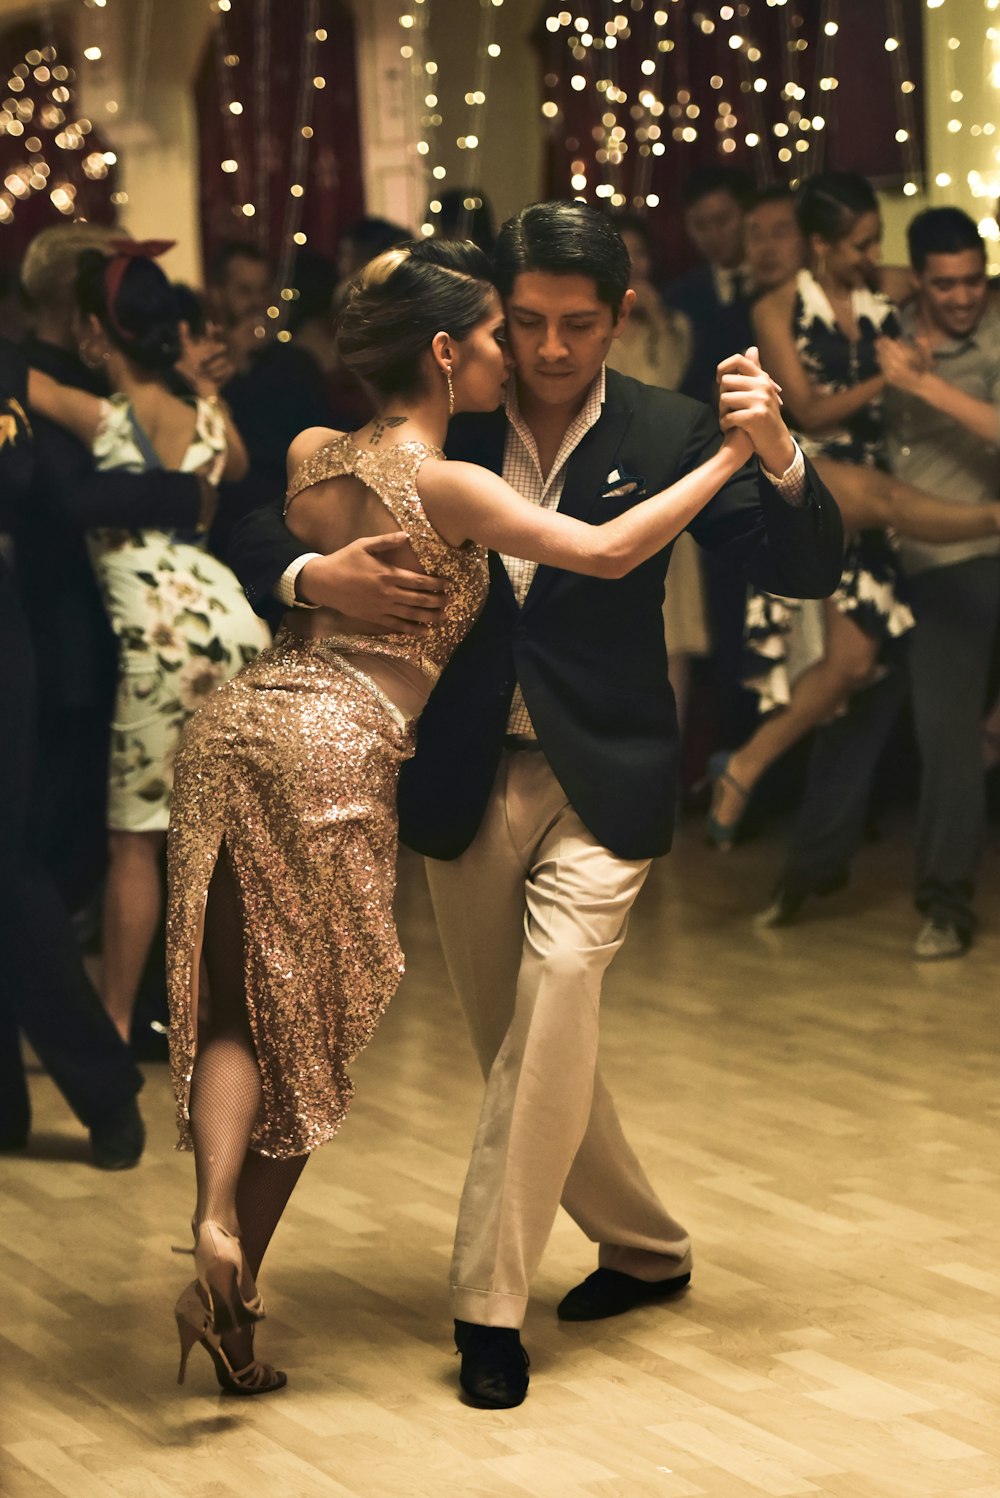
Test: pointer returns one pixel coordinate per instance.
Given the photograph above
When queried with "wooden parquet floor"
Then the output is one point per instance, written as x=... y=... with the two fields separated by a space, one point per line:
x=820 y=1110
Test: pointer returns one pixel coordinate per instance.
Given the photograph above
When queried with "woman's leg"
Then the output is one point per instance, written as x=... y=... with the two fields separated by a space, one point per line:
x=869 y=499
x=225 y=1081
x=243 y=1191
x=133 y=898
x=848 y=662
x=679 y=676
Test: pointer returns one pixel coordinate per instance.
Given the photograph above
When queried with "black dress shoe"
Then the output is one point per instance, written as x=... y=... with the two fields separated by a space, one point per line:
x=788 y=899
x=117 y=1140
x=608 y=1292
x=494 y=1371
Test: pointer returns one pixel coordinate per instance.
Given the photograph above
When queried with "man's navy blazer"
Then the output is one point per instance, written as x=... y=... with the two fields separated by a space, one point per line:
x=719 y=328
x=588 y=652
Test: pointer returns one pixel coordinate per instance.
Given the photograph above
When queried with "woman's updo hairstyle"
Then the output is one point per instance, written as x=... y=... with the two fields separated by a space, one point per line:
x=137 y=310
x=830 y=204
x=398 y=301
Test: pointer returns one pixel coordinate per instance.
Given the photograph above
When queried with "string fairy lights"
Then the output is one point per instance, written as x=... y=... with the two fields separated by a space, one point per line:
x=250 y=192
x=59 y=160
x=905 y=89
x=983 y=179
x=424 y=105
x=762 y=82
x=414 y=49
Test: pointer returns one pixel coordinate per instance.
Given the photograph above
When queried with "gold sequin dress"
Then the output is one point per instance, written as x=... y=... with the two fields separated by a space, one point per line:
x=293 y=766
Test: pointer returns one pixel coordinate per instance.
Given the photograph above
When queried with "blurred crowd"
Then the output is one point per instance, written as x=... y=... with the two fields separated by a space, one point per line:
x=140 y=420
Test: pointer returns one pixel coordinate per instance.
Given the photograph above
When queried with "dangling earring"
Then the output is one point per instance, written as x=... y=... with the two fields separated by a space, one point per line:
x=451 y=392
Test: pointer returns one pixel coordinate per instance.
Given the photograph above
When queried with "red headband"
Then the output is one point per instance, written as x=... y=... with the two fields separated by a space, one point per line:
x=127 y=250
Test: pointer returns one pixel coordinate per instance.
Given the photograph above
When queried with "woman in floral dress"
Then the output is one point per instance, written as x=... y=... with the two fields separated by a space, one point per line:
x=182 y=623
x=819 y=336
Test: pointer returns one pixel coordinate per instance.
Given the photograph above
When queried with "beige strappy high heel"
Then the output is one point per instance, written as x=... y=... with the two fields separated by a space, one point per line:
x=222 y=1270
x=193 y=1326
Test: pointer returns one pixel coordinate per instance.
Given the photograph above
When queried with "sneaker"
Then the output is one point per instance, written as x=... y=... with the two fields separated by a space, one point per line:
x=938 y=939
x=117 y=1140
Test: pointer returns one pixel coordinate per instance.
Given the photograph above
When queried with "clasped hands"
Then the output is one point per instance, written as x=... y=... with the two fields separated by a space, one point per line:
x=750 y=413
x=903 y=365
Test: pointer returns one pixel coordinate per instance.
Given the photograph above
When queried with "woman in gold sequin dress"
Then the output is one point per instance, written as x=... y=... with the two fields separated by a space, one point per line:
x=283 y=831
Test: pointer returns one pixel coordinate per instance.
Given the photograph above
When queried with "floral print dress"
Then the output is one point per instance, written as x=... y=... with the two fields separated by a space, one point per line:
x=182 y=622
x=783 y=635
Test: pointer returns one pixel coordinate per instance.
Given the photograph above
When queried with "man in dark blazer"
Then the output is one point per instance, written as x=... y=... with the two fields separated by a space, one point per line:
x=45 y=993
x=714 y=295
x=715 y=298
x=544 y=778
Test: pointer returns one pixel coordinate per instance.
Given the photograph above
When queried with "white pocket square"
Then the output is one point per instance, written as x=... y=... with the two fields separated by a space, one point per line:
x=618 y=484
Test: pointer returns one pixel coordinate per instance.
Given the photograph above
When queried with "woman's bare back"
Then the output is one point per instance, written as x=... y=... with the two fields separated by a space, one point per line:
x=326 y=517
x=168 y=422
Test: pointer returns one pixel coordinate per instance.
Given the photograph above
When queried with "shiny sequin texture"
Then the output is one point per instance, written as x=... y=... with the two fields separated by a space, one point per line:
x=294 y=765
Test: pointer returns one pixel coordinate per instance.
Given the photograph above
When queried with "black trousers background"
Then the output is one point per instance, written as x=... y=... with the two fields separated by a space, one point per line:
x=957 y=609
x=44 y=990
x=833 y=812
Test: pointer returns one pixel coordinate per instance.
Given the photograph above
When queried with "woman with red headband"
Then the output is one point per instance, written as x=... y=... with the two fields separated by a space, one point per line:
x=182 y=623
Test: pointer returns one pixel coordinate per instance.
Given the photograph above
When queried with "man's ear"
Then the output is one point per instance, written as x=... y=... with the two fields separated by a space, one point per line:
x=628 y=302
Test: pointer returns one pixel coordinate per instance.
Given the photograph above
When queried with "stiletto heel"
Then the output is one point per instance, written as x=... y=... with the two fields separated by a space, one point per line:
x=722 y=835
x=193 y=1325
x=191 y=1318
x=222 y=1268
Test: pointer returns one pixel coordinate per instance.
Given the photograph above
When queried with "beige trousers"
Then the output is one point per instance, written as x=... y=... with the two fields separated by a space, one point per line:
x=530 y=917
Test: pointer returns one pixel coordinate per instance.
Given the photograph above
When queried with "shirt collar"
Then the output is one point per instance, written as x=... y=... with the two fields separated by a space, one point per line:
x=947 y=347
x=588 y=414
x=725 y=280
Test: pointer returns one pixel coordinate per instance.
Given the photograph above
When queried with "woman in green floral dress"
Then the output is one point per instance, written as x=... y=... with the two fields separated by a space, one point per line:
x=182 y=622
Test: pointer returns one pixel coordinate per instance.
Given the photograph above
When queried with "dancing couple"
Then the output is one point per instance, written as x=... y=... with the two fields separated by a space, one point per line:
x=540 y=786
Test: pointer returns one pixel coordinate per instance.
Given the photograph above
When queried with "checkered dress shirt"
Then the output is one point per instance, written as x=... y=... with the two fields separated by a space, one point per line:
x=523 y=472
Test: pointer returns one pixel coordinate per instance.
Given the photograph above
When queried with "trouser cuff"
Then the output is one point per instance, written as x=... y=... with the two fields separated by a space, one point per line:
x=488 y=1307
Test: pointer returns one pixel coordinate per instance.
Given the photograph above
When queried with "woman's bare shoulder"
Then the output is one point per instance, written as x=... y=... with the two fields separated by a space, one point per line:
x=775 y=306
x=306 y=443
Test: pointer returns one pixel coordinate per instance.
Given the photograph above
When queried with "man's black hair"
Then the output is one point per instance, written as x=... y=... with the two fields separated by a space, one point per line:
x=372 y=236
x=634 y=223
x=232 y=249
x=942 y=231
x=708 y=179
x=775 y=192
x=564 y=238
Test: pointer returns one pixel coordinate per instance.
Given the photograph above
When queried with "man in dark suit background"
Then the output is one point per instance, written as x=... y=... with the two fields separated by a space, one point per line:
x=544 y=778
x=714 y=295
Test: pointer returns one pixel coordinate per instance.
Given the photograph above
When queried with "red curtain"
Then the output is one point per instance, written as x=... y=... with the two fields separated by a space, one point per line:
x=702 y=71
x=272 y=80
